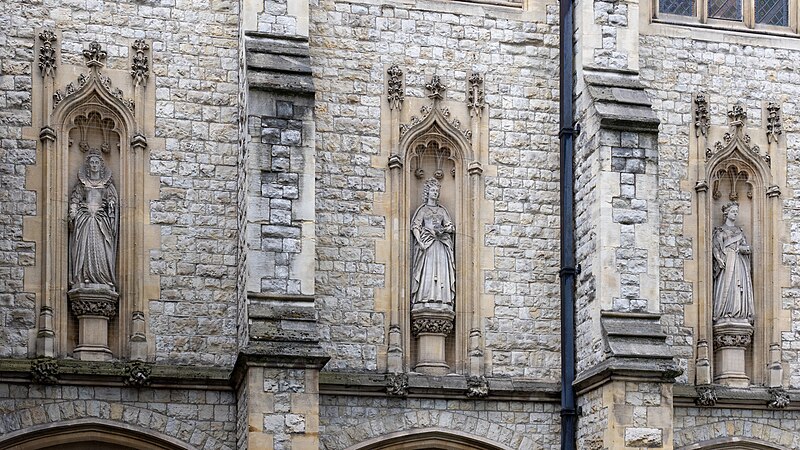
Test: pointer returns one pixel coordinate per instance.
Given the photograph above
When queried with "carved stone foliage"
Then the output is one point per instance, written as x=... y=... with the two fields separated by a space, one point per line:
x=95 y=57
x=779 y=398
x=140 y=70
x=44 y=371
x=47 y=53
x=701 y=118
x=425 y=111
x=736 y=136
x=732 y=340
x=435 y=88
x=477 y=387
x=774 y=126
x=104 y=308
x=435 y=326
x=395 y=93
x=476 y=99
x=706 y=395
x=397 y=384
x=137 y=374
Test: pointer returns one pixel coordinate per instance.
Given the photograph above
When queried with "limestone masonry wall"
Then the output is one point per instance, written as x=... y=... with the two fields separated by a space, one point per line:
x=352 y=45
x=674 y=69
x=204 y=419
x=195 y=70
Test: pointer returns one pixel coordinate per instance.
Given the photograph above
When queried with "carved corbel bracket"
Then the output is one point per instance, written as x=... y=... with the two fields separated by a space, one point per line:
x=137 y=374
x=477 y=387
x=475 y=168
x=779 y=398
x=706 y=395
x=44 y=371
x=397 y=385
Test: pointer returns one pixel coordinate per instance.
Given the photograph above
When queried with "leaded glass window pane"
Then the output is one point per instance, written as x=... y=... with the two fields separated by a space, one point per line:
x=772 y=12
x=725 y=9
x=679 y=7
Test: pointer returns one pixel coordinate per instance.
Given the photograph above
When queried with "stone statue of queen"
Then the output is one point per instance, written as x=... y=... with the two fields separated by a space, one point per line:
x=733 y=276
x=433 y=259
x=93 y=226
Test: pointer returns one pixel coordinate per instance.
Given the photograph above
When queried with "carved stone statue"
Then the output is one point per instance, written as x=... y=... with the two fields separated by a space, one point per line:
x=733 y=276
x=433 y=260
x=93 y=226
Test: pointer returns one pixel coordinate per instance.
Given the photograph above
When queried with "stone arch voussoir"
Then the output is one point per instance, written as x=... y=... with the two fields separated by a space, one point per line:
x=179 y=433
x=445 y=425
x=736 y=434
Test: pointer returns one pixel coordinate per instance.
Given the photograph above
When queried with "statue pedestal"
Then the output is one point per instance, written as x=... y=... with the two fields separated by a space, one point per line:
x=731 y=338
x=94 y=306
x=431 y=325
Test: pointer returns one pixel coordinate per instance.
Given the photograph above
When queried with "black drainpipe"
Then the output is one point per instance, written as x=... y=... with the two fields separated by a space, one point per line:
x=567 y=273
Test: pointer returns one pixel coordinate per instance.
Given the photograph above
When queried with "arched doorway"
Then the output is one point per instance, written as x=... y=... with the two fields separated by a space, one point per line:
x=89 y=434
x=428 y=439
x=733 y=443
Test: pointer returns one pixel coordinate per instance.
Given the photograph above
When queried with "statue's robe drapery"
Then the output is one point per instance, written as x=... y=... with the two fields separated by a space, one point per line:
x=433 y=260
x=94 y=230
x=733 y=280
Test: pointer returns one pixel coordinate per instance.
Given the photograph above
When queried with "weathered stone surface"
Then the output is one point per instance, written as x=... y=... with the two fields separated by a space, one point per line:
x=643 y=437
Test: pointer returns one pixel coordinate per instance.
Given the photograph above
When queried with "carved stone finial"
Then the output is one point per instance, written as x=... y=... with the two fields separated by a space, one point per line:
x=701 y=118
x=706 y=395
x=737 y=117
x=47 y=53
x=779 y=398
x=477 y=387
x=476 y=98
x=774 y=126
x=95 y=55
x=44 y=371
x=397 y=385
x=137 y=373
x=436 y=88
x=395 y=93
x=140 y=69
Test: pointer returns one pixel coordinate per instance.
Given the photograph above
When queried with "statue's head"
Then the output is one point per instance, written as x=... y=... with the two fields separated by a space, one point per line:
x=730 y=210
x=94 y=163
x=431 y=189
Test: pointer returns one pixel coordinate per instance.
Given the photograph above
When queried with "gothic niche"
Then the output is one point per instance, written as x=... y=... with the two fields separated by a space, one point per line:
x=93 y=234
x=738 y=215
x=433 y=274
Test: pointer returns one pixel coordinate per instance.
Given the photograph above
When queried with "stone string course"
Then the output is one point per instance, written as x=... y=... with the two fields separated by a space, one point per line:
x=352 y=44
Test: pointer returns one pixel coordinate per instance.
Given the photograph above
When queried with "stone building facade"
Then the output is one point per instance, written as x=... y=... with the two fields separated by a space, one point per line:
x=335 y=224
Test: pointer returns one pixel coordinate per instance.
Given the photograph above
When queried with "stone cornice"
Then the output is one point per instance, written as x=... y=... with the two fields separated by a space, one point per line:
x=754 y=397
x=113 y=373
x=446 y=387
